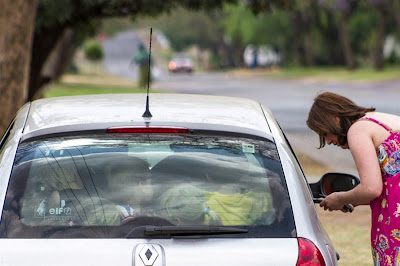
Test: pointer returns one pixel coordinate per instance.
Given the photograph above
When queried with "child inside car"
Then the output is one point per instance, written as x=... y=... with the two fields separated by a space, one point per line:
x=129 y=186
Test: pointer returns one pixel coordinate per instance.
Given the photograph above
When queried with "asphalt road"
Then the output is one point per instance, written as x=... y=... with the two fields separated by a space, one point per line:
x=289 y=100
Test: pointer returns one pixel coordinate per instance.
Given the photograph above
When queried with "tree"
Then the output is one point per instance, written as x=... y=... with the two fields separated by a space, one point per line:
x=362 y=28
x=345 y=9
x=222 y=32
x=302 y=21
x=321 y=29
x=80 y=18
x=185 y=28
x=384 y=9
x=378 y=64
x=306 y=22
x=16 y=27
x=239 y=25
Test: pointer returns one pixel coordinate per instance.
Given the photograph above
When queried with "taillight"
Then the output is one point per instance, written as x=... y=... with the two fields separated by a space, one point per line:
x=172 y=66
x=161 y=130
x=309 y=254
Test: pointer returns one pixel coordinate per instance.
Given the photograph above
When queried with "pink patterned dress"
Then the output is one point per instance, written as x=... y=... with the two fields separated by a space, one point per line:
x=385 y=210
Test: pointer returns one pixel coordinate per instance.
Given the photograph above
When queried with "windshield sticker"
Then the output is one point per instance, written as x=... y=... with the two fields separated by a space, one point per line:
x=60 y=213
x=40 y=211
x=248 y=148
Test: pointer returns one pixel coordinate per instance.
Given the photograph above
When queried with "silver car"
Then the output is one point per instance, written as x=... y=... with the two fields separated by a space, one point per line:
x=194 y=180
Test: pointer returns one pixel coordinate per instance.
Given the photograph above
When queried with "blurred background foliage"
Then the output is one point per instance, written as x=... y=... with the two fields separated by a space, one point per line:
x=308 y=33
x=93 y=50
x=219 y=34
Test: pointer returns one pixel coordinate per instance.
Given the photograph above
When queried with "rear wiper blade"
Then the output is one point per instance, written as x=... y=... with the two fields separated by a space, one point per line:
x=171 y=231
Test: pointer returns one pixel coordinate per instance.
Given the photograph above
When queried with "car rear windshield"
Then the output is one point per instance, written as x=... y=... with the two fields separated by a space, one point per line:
x=105 y=185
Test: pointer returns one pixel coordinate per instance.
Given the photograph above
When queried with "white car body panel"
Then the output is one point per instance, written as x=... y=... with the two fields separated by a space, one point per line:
x=107 y=252
x=165 y=108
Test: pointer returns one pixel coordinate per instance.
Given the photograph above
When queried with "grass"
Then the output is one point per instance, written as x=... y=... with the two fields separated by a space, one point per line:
x=90 y=84
x=350 y=234
x=65 y=89
x=91 y=79
x=340 y=73
x=310 y=166
x=327 y=73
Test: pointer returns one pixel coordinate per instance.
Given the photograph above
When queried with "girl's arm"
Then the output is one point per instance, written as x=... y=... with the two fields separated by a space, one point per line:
x=360 y=142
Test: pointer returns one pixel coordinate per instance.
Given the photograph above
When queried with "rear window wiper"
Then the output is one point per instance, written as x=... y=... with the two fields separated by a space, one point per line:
x=176 y=231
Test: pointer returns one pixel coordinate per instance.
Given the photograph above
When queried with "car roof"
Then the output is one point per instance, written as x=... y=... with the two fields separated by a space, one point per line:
x=74 y=113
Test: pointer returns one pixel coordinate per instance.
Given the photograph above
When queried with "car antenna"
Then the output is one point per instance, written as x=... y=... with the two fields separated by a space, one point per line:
x=147 y=112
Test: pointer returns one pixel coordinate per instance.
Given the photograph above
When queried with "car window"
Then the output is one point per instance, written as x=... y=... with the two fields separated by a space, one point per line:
x=106 y=185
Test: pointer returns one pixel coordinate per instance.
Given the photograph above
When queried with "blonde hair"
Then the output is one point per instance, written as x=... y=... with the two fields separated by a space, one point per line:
x=95 y=211
x=187 y=204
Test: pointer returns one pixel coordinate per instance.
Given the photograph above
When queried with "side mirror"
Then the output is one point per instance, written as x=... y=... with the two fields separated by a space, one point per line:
x=332 y=182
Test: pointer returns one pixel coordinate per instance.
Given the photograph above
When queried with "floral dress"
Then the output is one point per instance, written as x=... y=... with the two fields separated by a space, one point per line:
x=385 y=210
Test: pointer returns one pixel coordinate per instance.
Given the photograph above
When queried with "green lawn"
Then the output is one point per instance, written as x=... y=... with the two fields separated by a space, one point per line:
x=84 y=84
x=336 y=73
x=65 y=89
x=96 y=82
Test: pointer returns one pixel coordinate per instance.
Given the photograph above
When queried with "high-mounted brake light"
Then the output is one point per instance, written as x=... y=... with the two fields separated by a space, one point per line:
x=160 y=130
x=309 y=254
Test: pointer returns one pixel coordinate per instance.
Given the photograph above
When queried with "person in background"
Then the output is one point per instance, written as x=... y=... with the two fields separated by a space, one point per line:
x=374 y=142
x=141 y=58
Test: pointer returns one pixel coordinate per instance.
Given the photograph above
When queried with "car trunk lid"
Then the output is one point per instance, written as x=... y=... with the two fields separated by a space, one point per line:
x=140 y=252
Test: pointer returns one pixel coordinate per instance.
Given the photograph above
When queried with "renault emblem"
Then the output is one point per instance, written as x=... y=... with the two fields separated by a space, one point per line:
x=148 y=255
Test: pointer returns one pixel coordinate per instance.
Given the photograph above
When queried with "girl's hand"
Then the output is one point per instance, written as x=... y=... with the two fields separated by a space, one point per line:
x=332 y=202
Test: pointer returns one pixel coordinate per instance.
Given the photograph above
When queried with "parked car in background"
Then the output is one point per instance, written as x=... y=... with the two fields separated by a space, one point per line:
x=201 y=180
x=181 y=63
x=261 y=56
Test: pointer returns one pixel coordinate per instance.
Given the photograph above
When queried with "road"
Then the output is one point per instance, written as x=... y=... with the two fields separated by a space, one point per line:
x=289 y=100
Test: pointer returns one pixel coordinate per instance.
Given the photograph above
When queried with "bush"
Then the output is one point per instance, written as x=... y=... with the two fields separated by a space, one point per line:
x=93 y=50
x=392 y=59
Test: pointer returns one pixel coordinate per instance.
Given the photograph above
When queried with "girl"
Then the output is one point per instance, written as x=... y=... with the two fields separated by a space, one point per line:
x=374 y=143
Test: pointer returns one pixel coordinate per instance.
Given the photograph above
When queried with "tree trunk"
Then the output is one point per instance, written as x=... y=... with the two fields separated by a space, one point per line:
x=308 y=50
x=58 y=61
x=396 y=16
x=17 y=20
x=394 y=9
x=297 y=26
x=42 y=46
x=60 y=57
x=345 y=41
x=331 y=35
x=378 y=64
x=308 y=47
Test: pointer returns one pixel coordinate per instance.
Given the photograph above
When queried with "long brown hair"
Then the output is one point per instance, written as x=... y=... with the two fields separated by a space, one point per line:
x=326 y=107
